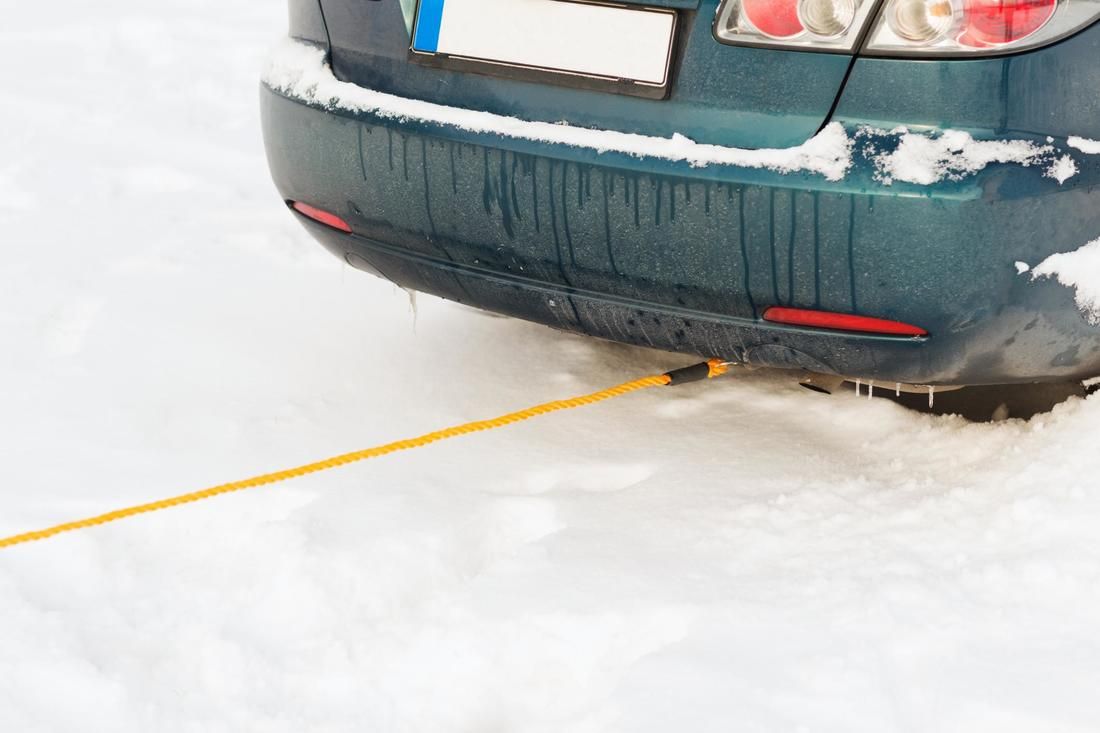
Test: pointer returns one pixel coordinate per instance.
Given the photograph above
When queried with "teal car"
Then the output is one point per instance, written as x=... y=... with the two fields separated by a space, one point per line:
x=901 y=191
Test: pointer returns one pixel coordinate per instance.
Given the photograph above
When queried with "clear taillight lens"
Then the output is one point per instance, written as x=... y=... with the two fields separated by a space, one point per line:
x=808 y=24
x=975 y=27
x=921 y=22
x=945 y=28
x=827 y=18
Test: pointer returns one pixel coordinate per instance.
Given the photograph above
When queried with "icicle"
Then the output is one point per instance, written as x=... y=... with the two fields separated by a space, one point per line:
x=859 y=386
x=931 y=396
x=897 y=389
x=412 y=306
x=871 y=389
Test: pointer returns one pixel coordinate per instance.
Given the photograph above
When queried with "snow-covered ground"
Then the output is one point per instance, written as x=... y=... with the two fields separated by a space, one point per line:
x=737 y=556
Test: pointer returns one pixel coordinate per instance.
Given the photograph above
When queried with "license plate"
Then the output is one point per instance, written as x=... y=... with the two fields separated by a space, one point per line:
x=612 y=42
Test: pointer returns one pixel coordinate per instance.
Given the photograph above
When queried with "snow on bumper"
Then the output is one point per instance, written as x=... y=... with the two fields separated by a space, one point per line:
x=300 y=71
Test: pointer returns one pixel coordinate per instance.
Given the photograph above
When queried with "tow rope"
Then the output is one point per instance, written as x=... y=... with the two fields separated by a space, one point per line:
x=695 y=373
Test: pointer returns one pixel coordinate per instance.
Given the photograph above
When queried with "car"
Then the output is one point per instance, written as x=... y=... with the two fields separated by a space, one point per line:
x=902 y=192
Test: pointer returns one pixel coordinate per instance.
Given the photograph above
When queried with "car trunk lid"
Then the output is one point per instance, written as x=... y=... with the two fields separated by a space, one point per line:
x=717 y=93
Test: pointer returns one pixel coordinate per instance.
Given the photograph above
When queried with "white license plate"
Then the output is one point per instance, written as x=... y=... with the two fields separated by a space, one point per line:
x=565 y=36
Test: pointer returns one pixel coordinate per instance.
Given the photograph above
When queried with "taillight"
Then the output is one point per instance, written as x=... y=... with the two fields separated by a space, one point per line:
x=943 y=28
x=962 y=28
x=805 y=24
x=827 y=18
x=995 y=22
x=921 y=22
x=776 y=19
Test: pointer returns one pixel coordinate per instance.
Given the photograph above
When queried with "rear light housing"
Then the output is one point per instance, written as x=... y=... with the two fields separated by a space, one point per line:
x=962 y=28
x=812 y=25
x=904 y=28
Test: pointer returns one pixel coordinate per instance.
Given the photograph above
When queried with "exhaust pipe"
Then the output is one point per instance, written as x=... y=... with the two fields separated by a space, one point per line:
x=823 y=383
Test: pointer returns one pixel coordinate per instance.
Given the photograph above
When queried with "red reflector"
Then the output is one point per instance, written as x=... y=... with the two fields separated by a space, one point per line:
x=312 y=212
x=996 y=22
x=840 y=322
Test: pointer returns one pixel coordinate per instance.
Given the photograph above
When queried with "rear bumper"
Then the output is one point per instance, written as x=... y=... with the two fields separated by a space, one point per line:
x=659 y=253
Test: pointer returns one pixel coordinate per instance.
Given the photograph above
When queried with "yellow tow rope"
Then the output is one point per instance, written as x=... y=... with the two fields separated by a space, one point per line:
x=710 y=369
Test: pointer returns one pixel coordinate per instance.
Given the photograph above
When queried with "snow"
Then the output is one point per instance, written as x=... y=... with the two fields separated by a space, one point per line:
x=1062 y=169
x=299 y=71
x=929 y=158
x=1079 y=270
x=737 y=555
x=1089 y=147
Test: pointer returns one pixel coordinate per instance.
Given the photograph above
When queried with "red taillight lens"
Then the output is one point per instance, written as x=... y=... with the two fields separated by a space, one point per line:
x=774 y=18
x=960 y=28
x=841 y=322
x=320 y=216
x=996 y=22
